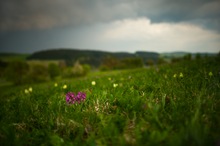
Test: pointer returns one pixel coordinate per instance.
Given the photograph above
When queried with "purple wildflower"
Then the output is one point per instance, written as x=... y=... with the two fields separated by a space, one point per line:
x=71 y=98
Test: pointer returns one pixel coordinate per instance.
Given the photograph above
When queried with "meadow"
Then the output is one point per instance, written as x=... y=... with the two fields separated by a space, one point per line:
x=173 y=104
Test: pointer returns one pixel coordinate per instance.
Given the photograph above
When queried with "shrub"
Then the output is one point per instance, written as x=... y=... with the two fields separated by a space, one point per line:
x=77 y=69
x=16 y=72
x=104 y=68
x=130 y=63
x=161 y=61
x=150 y=62
x=86 y=68
x=53 y=70
x=110 y=63
x=3 y=66
x=38 y=73
x=67 y=72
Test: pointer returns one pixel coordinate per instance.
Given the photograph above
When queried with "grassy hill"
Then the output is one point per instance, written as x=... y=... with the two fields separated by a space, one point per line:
x=174 y=104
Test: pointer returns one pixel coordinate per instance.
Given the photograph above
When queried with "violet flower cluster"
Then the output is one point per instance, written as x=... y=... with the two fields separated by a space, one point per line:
x=71 y=98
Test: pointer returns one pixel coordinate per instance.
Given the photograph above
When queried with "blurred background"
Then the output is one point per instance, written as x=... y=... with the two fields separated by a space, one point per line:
x=49 y=40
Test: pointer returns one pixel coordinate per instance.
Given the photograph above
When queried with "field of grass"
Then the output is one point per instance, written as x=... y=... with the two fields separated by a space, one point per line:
x=175 y=104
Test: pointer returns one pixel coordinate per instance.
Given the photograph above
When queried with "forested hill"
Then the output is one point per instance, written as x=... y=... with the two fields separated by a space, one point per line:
x=88 y=56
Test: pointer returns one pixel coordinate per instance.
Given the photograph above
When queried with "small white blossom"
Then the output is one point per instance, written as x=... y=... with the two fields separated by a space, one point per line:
x=64 y=86
x=30 y=89
x=93 y=83
x=26 y=91
x=115 y=85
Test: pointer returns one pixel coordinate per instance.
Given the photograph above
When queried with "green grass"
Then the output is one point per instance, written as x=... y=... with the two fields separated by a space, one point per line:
x=148 y=107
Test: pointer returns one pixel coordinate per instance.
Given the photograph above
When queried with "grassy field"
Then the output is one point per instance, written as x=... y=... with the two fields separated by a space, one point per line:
x=175 y=104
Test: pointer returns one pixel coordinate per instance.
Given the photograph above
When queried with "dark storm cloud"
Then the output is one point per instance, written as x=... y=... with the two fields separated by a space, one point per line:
x=31 y=14
x=201 y=12
x=26 y=14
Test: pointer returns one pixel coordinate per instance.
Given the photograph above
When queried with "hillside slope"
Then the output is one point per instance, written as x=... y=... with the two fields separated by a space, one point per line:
x=91 y=57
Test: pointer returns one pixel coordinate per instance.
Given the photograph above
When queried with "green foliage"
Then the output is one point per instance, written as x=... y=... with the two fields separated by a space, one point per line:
x=78 y=70
x=67 y=72
x=150 y=62
x=3 y=66
x=104 y=68
x=175 y=60
x=38 y=73
x=111 y=63
x=131 y=63
x=187 y=57
x=16 y=72
x=198 y=56
x=161 y=61
x=86 y=68
x=53 y=70
x=175 y=104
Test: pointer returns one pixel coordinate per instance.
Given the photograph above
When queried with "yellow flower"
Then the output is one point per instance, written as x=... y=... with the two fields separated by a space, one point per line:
x=109 y=79
x=181 y=75
x=26 y=91
x=174 y=75
x=30 y=89
x=93 y=83
x=64 y=86
x=55 y=85
x=115 y=85
x=210 y=74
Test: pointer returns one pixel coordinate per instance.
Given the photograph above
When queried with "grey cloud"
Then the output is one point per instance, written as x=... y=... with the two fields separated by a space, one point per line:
x=206 y=12
x=35 y=14
x=27 y=14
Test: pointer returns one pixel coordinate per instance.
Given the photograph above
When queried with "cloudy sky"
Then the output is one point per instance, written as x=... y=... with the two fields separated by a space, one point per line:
x=27 y=26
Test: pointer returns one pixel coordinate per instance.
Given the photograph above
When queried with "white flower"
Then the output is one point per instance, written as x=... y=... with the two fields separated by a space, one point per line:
x=30 y=89
x=26 y=91
x=93 y=83
x=115 y=85
x=64 y=86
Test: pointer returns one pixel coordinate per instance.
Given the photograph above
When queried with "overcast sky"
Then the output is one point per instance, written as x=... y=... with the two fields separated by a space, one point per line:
x=27 y=26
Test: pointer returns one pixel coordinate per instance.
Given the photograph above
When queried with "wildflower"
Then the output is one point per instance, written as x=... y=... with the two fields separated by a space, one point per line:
x=93 y=83
x=64 y=86
x=181 y=75
x=97 y=105
x=115 y=85
x=30 y=89
x=71 y=98
x=109 y=79
x=210 y=74
x=174 y=75
x=55 y=85
x=26 y=91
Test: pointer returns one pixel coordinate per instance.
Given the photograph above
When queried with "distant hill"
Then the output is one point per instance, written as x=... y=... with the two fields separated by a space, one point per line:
x=13 y=56
x=181 y=54
x=91 y=57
